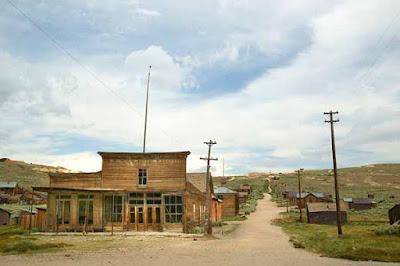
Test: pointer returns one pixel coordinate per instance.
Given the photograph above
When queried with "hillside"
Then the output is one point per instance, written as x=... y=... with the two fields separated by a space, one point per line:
x=27 y=175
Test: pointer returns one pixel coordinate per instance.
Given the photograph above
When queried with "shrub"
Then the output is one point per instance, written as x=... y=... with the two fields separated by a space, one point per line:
x=388 y=230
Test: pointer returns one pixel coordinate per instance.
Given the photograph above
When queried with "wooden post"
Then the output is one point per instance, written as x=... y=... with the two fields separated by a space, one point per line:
x=287 y=199
x=207 y=225
x=30 y=218
x=299 y=202
x=112 y=216
x=57 y=211
x=338 y=212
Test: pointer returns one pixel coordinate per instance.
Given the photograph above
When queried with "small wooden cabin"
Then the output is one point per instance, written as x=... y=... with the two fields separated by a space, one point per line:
x=9 y=188
x=230 y=201
x=133 y=191
x=325 y=213
x=5 y=216
x=394 y=214
x=245 y=188
x=359 y=204
x=295 y=199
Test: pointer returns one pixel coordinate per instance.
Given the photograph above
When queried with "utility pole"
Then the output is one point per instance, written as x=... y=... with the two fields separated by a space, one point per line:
x=145 y=116
x=299 y=200
x=207 y=224
x=332 y=121
x=287 y=199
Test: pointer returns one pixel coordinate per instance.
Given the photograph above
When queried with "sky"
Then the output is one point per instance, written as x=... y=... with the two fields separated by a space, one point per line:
x=255 y=76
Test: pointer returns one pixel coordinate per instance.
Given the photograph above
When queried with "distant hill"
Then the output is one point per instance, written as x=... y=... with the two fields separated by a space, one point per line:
x=382 y=180
x=26 y=174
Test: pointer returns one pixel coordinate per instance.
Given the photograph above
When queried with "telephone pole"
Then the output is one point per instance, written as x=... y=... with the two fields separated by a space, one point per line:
x=145 y=116
x=332 y=121
x=207 y=224
x=299 y=200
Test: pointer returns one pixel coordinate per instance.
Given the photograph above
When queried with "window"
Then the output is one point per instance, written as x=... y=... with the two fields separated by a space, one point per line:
x=136 y=198
x=115 y=212
x=64 y=210
x=143 y=177
x=132 y=215
x=173 y=209
x=150 y=215
x=153 y=198
x=85 y=209
x=140 y=215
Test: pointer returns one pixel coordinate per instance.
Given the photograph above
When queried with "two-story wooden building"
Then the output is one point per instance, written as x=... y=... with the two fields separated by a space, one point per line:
x=133 y=191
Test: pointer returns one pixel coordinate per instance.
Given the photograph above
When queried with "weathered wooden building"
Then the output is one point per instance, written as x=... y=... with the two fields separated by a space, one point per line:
x=5 y=216
x=9 y=188
x=133 y=191
x=394 y=214
x=325 y=213
x=300 y=200
x=230 y=201
x=360 y=204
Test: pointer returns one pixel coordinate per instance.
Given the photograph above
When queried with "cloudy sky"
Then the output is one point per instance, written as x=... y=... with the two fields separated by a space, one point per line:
x=256 y=76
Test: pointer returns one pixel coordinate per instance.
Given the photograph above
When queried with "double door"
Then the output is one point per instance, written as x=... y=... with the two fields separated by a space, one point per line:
x=145 y=218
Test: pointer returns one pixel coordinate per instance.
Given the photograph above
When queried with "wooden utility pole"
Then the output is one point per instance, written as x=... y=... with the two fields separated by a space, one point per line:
x=299 y=200
x=145 y=116
x=332 y=121
x=287 y=199
x=207 y=224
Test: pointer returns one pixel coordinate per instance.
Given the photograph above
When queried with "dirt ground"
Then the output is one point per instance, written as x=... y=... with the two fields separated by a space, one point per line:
x=254 y=242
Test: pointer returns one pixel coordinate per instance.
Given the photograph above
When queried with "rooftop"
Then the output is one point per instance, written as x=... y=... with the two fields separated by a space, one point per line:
x=144 y=155
x=324 y=207
x=198 y=180
x=223 y=190
x=8 y=184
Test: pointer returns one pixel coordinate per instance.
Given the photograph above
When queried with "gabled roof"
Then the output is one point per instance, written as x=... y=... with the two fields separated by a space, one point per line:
x=223 y=190
x=7 y=184
x=198 y=180
x=348 y=199
x=316 y=194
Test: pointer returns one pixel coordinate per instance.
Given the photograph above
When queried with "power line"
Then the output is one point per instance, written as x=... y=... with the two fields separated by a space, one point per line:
x=76 y=60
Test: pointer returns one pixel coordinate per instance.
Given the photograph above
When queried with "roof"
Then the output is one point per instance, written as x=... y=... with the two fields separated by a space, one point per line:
x=348 y=199
x=198 y=180
x=362 y=201
x=7 y=184
x=324 y=207
x=144 y=155
x=316 y=194
x=7 y=211
x=98 y=189
x=223 y=190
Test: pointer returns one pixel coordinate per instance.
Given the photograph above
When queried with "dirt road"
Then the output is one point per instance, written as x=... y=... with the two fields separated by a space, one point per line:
x=255 y=242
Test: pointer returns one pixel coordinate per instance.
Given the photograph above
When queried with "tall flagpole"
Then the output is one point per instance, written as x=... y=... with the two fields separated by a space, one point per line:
x=147 y=106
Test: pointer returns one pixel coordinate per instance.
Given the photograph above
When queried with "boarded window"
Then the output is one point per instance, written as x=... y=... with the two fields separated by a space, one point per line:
x=173 y=209
x=142 y=176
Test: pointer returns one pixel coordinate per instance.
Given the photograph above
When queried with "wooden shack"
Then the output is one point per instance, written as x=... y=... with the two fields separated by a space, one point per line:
x=243 y=197
x=295 y=199
x=230 y=201
x=133 y=191
x=394 y=214
x=245 y=188
x=5 y=216
x=325 y=213
x=33 y=219
x=9 y=188
x=359 y=204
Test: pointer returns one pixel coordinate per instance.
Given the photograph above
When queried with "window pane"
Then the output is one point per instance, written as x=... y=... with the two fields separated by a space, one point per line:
x=158 y=215
x=150 y=215
x=178 y=199
x=67 y=212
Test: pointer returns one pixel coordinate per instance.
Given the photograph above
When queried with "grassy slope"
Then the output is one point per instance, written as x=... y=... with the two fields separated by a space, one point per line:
x=360 y=241
x=25 y=174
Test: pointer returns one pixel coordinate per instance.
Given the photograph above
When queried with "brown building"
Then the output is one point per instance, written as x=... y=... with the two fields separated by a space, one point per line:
x=230 y=201
x=134 y=191
x=295 y=199
x=5 y=216
x=325 y=213
x=245 y=188
x=243 y=197
x=9 y=188
x=360 y=204
x=394 y=214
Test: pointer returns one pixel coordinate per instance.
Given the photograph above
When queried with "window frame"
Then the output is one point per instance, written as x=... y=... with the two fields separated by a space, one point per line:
x=143 y=179
x=88 y=201
x=171 y=213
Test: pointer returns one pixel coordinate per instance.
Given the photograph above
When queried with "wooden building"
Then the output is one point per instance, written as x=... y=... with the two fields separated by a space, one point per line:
x=35 y=219
x=295 y=199
x=243 y=196
x=360 y=204
x=245 y=188
x=230 y=201
x=9 y=188
x=394 y=214
x=133 y=191
x=5 y=216
x=325 y=213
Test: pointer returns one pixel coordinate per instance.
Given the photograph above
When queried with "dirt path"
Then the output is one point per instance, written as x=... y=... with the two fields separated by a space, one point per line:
x=255 y=242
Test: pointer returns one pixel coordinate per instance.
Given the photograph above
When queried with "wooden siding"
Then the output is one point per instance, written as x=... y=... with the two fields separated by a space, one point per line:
x=75 y=180
x=162 y=174
x=230 y=205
